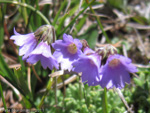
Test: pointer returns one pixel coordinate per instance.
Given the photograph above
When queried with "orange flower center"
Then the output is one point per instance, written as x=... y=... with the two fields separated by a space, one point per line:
x=114 y=63
x=72 y=48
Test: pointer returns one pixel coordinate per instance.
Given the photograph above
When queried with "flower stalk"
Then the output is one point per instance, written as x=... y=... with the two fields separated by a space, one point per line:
x=104 y=105
x=45 y=94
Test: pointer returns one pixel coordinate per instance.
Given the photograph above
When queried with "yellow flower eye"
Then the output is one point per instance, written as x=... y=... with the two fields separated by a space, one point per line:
x=72 y=48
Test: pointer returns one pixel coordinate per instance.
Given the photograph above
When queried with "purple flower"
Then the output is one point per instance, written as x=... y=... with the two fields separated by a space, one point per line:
x=89 y=65
x=115 y=73
x=26 y=42
x=67 y=51
x=43 y=53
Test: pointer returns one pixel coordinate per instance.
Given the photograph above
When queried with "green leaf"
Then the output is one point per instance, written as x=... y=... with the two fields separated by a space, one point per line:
x=61 y=23
x=81 y=23
x=23 y=11
x=38 y=19
x=5 y=69
x=74 y=19
x=116 y=3
x=140 y=19
x=59 y=11
x=21 y=82
x=3 y=99
x=23 y=68
x=62 y=19
x=26 y=103
x=2 y=14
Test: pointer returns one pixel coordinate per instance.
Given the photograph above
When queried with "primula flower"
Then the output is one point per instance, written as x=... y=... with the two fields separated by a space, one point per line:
x=115 y=73
x=43 y=53
x=89 y=65
x=26 y=42
x=67 y=51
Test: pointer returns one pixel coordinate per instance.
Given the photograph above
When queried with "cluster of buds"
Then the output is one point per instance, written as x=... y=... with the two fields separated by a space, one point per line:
x=45 y=33
x=107 y=50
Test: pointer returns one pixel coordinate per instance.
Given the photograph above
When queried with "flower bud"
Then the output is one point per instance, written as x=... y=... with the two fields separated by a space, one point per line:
x=84 y=44
x=107 y=50
x=45 y=33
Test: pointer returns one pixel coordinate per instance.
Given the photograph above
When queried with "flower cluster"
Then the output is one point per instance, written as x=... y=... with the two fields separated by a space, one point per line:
x=75 y=55
x=32 y=50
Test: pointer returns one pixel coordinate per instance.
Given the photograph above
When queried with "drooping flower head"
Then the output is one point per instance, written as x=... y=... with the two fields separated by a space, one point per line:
x=115 y=73
x=34 y=52
x=45 y=33
x=67 y=51
x=43 y=53
x=26 y=42
x=89 y=65
x=106 y=50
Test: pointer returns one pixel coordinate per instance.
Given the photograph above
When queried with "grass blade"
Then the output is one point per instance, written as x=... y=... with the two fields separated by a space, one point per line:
x=58 y=13
x=71 y=23
x=3 y=99
x=27 y=6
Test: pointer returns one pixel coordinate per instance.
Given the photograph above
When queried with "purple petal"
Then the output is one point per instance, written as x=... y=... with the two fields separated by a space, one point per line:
x=49 y=62
x=43 y=53
x=66 y=64
x=46 y=62
x=42 y=48
x=88 y=51
x=34 y=59
x=20 y=40
x=58 y=56
x=27 y=48
x=15 y=32
x=59 y=45
x=67 y=38
x=114 y=77
x=78 y=43
x=89 y=66
x=115 y=73
x=127 y=63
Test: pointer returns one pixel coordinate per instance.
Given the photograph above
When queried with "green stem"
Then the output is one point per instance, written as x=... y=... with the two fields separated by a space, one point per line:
x=1 y=91
x=58 y=13
x=80 y=89
x=99 y=23
x=75 y=18
x=55 y=90
x=64 y=93
x=80 y=92
x=45 y=94
x=104 y=104
x=27 y=6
